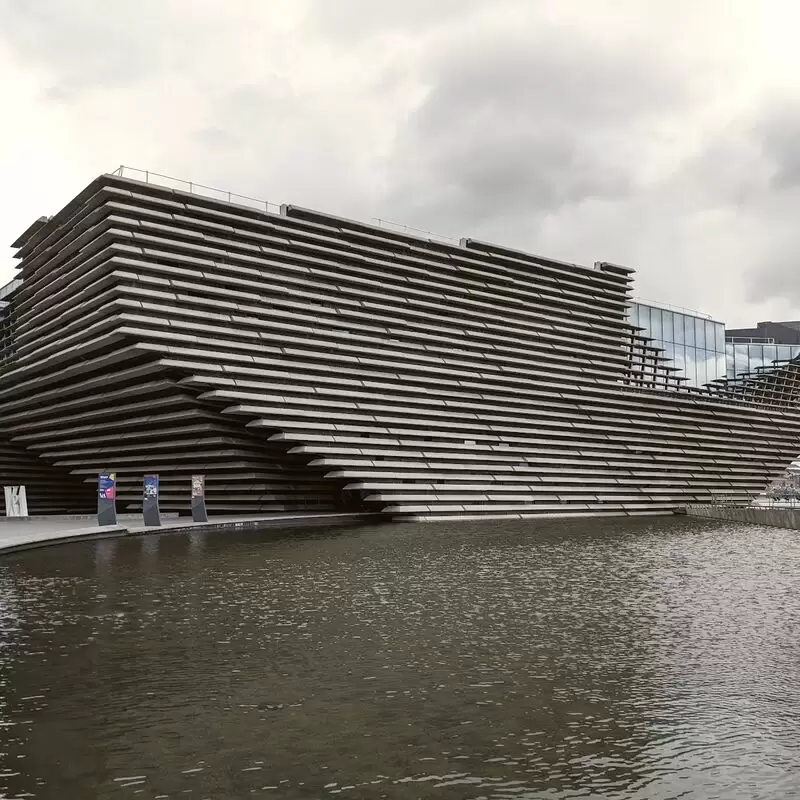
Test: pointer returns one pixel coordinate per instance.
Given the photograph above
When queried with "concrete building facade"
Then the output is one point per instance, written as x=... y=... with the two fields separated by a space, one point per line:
x=303 y=361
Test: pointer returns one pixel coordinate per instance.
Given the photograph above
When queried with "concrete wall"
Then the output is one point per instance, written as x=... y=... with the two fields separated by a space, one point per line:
x=758 y=515
x=304 y=362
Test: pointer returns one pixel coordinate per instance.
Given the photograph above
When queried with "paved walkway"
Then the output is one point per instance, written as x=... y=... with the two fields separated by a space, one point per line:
x=26 y=533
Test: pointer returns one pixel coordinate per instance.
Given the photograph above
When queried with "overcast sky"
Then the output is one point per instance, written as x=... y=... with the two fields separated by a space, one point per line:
x=660 y=135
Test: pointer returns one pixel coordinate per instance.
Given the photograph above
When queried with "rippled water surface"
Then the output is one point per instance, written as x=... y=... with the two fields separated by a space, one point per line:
x=627 y=659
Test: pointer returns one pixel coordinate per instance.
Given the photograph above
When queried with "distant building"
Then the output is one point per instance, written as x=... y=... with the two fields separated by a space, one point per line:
x=748 y=349
x=787 y=332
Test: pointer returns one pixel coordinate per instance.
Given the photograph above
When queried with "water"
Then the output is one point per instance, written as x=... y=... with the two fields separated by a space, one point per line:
x=616 y=659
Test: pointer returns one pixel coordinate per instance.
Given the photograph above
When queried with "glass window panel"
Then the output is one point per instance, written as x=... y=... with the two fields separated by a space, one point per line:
x=689 y=330
x=744 y=355
x=756 y=356
x=656 y=330
x=680 y=360
x=770 y=353
x=702 y=377
x=633 y=314
x=666 y=326
x=734 y=362
x=711 y=366
x=690 y=369
x=669 y=351
x=699 y=332
x=677 y=333
x=691 y=366
x=722 y=366
x=720 y=337
x=644 y=318
x=710 y=338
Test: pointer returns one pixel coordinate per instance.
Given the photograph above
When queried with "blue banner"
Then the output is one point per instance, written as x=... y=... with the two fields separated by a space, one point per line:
x=107 y=485
x=151 y=486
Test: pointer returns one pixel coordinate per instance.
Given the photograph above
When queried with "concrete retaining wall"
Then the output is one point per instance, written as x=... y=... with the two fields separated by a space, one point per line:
x=758 y=515
x=26 y=533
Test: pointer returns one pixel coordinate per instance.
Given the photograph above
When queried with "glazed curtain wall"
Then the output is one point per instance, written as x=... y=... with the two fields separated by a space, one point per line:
x=747 y=357
x=695 y=344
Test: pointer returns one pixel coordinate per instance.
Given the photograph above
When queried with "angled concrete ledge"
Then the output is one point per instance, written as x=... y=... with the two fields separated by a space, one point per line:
x=756 y=515
x=35 y=532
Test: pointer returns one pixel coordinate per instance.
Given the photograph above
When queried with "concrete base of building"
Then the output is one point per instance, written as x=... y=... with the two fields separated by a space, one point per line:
x=31 y=532
x=544 y=515
x=757 y=515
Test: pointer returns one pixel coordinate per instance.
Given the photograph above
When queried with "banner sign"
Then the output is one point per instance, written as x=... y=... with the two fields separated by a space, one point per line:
x=151 y=486
x=106 y=498
x=107 y=485
x=198 y=485
x=150 y=512
x=199 y=513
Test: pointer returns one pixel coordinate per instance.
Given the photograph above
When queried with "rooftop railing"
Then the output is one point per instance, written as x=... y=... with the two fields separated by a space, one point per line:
x=669 y=307
x=749 y=340
x=170 y=182
x=146 y=176
x=192 y=187
x=400 y=228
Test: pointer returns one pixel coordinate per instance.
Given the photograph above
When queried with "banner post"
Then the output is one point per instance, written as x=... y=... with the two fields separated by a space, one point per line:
x=152 y=517
x=199 y=498
x=106 y=498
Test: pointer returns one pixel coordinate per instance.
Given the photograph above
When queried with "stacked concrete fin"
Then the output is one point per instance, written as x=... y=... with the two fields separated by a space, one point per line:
x=302 y=360
x=777 y=386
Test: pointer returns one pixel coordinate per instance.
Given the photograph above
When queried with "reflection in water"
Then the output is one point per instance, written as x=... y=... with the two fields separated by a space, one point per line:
x=630 y=659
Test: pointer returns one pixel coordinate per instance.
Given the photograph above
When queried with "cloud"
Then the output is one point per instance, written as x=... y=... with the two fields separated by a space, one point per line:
x=110 y=46
x=778 y=133
x=748 y=176
x=354 y=19
x=524 y=126
x=657 y=135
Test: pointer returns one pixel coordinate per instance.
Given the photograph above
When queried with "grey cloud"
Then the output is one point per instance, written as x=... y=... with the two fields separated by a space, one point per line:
x=212 y=136
x=776 y=275
x=588 y=136
x=760 y=174
x=727 y=171
x=108 y=45
x=272 y=142
x=359 y=18
x=779 y=135
x=78 y=39
x=526 y=125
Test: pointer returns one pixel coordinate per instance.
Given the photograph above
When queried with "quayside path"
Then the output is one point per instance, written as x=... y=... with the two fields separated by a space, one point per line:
x=31 y=532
